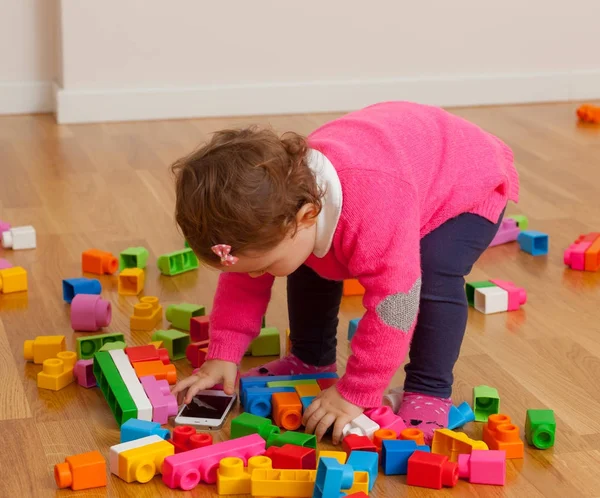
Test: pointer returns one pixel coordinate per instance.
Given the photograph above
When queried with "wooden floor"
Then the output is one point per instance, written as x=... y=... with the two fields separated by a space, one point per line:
x=108 y=186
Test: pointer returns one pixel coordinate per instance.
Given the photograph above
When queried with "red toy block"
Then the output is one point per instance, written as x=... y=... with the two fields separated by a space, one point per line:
x=199 y=328
x=353 y=442
x=360 y=494
x=196 y=352
x=429 y=470
x=147 y=353
x=99 y=262
x=326 y=383
x=185 y=438
x=290 y=456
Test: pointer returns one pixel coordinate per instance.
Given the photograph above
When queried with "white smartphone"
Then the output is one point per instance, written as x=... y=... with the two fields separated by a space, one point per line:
x=208 y=410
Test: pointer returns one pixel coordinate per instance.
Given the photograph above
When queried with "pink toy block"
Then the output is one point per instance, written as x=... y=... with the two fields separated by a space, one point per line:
x=508 y=232
x=90 y=312
x=164 y=404
x=4 y=264
x=83 y=372
x=483 y=467
x=386 y=418
x=517 y=296
x=4 y=226
x=574 y=256
x=186 y=470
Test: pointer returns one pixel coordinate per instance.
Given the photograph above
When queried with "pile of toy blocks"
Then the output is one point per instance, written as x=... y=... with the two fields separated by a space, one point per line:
x=515 y=228
x=14 y=278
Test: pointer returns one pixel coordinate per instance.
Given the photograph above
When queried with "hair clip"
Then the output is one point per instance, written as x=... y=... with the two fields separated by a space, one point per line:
x=224 y=252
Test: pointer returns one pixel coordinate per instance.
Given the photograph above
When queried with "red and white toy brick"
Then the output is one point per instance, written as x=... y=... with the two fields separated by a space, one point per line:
x=386 y=418
x=90 y=312
x=164 y=404
x=483 y=467
x=430 y=470
x=83 y=372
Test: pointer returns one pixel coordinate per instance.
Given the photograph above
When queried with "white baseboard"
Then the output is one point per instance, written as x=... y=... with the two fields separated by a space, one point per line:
x=26 y=97
x=74 y=106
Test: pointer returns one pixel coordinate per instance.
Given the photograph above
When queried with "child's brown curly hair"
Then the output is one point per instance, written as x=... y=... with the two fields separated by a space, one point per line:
x=243 y=188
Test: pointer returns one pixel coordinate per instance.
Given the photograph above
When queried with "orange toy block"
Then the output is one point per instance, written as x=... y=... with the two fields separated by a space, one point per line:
x=451 y=444
x=592 y=256
x=131 y=281
x=98 y=262
x=156 y=368
x=84 y=471
x=308 y=390
x=414 y=435
x=500 y=434
x=287 y=410
x=589 y=114
x=352 y=287
x=381 y=435
x=147 y=314
x=13 y=280
x=43 y=348
x=57 y=372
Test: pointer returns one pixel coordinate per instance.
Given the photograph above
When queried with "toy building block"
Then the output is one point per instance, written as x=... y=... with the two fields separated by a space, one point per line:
x=352 y=287
x=88 y=346
x=491 y=300
x=386 y=418
x=156 y=344
x=292 y=437
x=196 y=353
x=73 y=286
x=84 y=373
x=246 y=423
x=592 y=256
x=177 y=262
x=233 y=479
x=4 y=226
x=147 y=314
x=360 y=494
x=199 y=327
x=583 y=253
x=290 y=456
x=306 y=402
x=90 y=312
x=486 y=402
x=246 y=382
x=174 y=341
x=413 y=434
x=520 y=219
x=588 y=113
x=186 y=470
x=19 y=238
x=364 y=424
x=136 y=429
x=147 y=352
x=291 y=383
x=540 y=428
x=508 y=231
x=143 y=463
x=352 y=327
x=43 y=347
x=340 y=456
x=460 y=415
x=4 y=264
x=83 y=471
x=287 y=410
x=259 y=399
x=133 y=257
x=131 y=281
x=353 y=442
x=483 y=467
x=113 y=388
x=136 y=391
x=395 y=455
x=331 y=478
x=117 y=449
x=267 y=343
x=185 y=438
x=451 y=444
x=179 y=315
x=381 y=435
x=428 y=470
x=306 y=390
x=533 y=242
x=110 y=346
x=98 y=262
x=360 y=483
x=157 y=369
x=517 y=296
x=282 y=483
x=471 y=287
x=327 y=383
x=164 y=404
x=13 y=280
x=57 y=372
x=500 y=434
x=365 y=461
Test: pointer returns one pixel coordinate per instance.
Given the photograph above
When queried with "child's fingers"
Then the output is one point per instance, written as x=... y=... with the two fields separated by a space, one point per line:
x=323 y=425
x=229 y=385
x=182 y=385
x=314 y=419
x=310 y=410
x=199 y=385
x=338 y=429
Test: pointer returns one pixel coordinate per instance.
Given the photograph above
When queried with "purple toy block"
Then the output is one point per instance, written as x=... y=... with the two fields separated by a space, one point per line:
x=90 y=312
x=4 y=226
x=164 y=404
x=508 y=232
x=4 y=264
x=84 y=374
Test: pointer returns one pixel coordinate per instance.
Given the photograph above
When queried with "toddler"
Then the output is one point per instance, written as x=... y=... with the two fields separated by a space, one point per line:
x=404 y=197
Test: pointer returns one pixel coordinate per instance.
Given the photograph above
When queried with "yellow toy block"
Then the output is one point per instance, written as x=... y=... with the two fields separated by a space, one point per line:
x=452 y=444
x=340 y=456
x=233 y=479
x=43 y=347
x=131 y=281
x=147 y=314
x=13 y=280
x=360 y=483
x=57 y=372
x=156 y=344
x=304 y=390
x=143 y=463
x=283 y=483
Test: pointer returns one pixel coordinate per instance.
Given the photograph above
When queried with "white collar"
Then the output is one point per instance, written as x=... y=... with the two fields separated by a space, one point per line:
x=329 y=183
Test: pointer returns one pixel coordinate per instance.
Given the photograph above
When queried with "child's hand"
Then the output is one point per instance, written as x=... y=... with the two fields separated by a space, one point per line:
x=329 y=408
x=211 y=372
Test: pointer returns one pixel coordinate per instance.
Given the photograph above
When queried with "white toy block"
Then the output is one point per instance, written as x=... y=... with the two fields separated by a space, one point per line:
x=135 y=388
x=19 y=238
x=393 y=399
x=129 y=445
x=366 y=425
x=491 y=300
x=348 y=429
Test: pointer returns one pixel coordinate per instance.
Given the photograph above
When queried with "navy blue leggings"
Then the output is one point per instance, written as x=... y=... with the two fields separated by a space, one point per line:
x=447 y=256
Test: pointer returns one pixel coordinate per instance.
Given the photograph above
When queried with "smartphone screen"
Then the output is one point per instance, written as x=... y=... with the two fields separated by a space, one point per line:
x=204 y=406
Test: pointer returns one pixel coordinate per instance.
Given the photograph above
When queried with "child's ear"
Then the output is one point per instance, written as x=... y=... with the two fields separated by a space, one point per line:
x=306 y=216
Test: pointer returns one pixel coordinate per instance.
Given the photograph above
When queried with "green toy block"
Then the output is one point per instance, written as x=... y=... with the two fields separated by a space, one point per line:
x=174 y=341
x=113 y=388
x=177 y=262
x=88 y=345
x=133 y=257
x=291 y=383
x=180 y=314
x=540 y=428
x=470 y=289
x=291 y=437
x=113 y=345
x=522 y=221
x=267 y=343
x=246 y=424
x=486 y=402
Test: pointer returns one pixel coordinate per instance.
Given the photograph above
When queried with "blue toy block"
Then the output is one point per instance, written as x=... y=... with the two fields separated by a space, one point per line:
x=246 y=382
x=352 y=326
x=460 y=415
x=365 y=461
x=137 y=429
x=533 y=242
x=395 y=454
x=74 y=286
x=306 y=401
x=257 y=400
x=331 y=478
